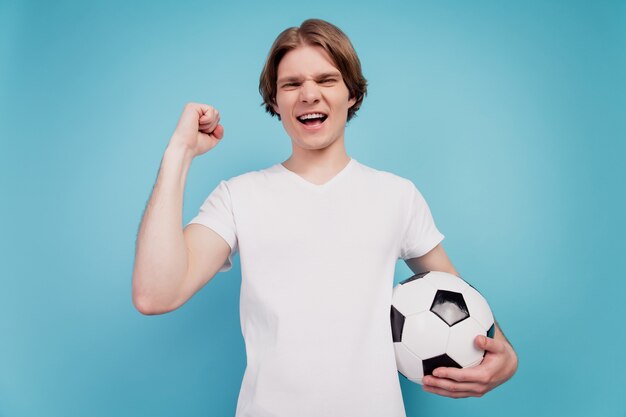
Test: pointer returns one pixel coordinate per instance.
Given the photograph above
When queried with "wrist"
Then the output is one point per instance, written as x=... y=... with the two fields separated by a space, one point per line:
x=179 y=152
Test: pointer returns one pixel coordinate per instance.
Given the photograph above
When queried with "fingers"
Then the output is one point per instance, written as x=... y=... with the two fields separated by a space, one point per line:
x=476 y=374
x=202 y=113
x=209 y=115
x=453 y=388
x=209 y=122
x=451 y=393
x=209 y=119
x=218 y=132
x=489 y=344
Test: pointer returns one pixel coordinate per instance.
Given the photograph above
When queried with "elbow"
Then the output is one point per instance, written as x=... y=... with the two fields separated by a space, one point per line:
x=149 y=308
x=143 y=306
x=147 y=305
x=148 y=300
x=140 y=301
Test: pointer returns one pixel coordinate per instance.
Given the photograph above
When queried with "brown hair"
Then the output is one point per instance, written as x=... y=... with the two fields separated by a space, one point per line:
x=318 y=33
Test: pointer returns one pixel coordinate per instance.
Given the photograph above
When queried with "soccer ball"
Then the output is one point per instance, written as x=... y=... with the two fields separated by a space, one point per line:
x=435 y=317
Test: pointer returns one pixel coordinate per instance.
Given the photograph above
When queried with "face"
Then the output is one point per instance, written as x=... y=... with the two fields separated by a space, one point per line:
x=311 y=98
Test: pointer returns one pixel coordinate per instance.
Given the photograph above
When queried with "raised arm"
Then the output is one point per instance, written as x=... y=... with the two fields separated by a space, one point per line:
x=171 y=265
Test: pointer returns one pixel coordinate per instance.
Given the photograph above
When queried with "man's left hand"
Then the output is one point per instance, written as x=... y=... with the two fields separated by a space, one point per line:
x=498 y=366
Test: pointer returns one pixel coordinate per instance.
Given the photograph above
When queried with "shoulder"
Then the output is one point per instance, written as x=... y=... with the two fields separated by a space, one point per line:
x=251 y=179
x=387 y=179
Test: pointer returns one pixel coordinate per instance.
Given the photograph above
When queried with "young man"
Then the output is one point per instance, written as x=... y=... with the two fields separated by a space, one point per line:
x=318 y=237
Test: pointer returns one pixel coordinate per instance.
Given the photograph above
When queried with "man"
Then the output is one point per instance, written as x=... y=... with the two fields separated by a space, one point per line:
x=318 y=237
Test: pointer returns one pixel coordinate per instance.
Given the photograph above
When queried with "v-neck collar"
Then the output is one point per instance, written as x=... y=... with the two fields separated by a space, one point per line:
x=313 y=186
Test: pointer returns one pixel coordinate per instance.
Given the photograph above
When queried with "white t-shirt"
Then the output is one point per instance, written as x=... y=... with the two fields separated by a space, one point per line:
x=317 y=264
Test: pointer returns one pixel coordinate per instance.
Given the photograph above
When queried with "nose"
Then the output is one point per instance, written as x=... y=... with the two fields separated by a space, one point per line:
x=309 y=92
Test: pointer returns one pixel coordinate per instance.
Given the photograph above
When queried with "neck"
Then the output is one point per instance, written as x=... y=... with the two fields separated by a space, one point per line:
x=318 y=164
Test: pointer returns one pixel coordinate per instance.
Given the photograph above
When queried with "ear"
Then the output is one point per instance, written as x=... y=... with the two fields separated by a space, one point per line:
x=352 y=102
x=275 y=108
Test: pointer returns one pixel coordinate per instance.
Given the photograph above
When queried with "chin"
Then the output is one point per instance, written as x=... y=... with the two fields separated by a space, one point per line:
x=314 y=144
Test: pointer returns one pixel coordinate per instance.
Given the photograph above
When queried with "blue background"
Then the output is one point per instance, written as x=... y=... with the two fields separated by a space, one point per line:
x=508 y=116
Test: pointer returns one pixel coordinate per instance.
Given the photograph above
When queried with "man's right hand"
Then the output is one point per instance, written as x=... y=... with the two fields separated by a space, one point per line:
x=198 y=129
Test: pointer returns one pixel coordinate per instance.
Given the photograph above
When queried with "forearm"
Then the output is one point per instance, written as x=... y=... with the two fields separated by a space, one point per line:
x=498 y=334
x=512 y=362
x=161 y=252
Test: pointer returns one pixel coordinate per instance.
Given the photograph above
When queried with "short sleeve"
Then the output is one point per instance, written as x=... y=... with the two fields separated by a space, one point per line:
x=216 y=213
x=421 y=235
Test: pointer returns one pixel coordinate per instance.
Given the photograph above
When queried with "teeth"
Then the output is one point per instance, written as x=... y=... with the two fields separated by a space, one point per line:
x=311 y=116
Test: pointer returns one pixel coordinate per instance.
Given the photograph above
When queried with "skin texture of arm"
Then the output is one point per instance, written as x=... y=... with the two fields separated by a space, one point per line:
x=499 y=364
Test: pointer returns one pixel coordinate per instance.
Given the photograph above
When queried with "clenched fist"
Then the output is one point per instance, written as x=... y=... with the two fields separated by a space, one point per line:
x=198 y=128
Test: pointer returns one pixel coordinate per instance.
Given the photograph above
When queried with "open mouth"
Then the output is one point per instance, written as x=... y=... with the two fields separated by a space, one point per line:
x=312 y=119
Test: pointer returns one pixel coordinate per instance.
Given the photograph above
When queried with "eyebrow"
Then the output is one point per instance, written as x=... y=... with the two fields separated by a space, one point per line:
x=317 y=77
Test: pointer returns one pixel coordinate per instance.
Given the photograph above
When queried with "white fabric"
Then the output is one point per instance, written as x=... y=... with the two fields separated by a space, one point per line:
x=317 y=264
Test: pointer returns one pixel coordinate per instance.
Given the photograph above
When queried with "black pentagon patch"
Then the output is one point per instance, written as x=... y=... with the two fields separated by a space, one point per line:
x=431 y=364
x=397 y=324
x=414 y=277
x=450 y=307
